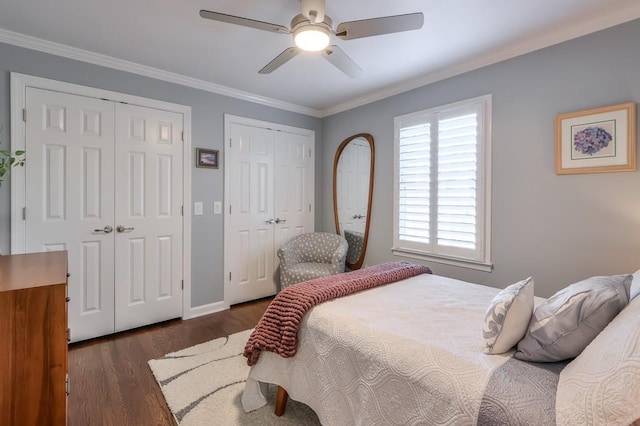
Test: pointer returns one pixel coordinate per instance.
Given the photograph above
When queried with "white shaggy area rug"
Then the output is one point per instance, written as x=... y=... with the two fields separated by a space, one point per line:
x=203 y=385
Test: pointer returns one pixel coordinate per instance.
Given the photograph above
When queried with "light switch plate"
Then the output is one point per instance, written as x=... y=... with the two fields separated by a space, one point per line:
x=217 y=207
x=198 y=208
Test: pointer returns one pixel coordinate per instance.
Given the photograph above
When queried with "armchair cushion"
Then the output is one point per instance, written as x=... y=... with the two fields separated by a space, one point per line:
x=308 y=271
x=310 y=256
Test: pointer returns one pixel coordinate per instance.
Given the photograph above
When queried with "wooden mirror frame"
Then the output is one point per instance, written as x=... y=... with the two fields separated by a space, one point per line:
x=368 y=138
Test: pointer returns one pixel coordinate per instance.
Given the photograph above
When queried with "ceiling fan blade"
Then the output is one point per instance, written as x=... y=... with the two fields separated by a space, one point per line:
x=280 y=60
x=378 y=26
x=245 y=22
x=342 y=61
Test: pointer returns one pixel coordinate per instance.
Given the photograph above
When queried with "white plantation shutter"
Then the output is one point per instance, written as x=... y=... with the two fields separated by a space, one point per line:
x=442 y=183
x=415 y=181
x=457 y=178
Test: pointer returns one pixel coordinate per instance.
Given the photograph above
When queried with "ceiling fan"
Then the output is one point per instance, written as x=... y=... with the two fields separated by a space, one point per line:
x=312 y=31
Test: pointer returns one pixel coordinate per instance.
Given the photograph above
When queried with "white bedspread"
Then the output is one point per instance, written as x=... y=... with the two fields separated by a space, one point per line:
x=357 y=364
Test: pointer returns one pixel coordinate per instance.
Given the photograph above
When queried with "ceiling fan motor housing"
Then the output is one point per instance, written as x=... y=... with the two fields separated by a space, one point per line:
x=301 y=24
x=301 y=20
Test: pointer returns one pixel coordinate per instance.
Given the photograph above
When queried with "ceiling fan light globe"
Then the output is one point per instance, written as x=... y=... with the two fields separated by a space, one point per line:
x=311 y=38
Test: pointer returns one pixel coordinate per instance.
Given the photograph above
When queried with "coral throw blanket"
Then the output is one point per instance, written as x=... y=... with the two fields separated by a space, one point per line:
x=277 y=330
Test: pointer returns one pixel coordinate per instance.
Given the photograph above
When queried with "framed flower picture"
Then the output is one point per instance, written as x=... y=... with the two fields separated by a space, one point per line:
x=597 y=140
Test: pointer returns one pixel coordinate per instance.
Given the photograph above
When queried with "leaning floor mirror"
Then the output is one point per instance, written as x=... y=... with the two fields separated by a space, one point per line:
x=352 y=192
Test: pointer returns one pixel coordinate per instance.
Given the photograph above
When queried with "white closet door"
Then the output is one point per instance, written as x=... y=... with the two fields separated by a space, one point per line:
x=148 y=217
x=250 y=170
x=294 y=186
x=69 y=199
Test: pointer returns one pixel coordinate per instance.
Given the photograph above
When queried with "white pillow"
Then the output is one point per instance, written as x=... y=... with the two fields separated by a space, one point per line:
x=569 y=320
x=507 y=318
x=602 y=385
x=635 y=285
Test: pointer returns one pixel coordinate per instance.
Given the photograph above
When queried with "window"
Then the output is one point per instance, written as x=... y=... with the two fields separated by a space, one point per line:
x=442 y=184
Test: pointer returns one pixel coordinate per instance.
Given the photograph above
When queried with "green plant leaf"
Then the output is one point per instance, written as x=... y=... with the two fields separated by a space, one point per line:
x=8 y=160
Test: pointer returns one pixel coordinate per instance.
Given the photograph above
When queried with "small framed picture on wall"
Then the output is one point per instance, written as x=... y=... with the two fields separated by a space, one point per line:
x=597 y=140
x=207 y=158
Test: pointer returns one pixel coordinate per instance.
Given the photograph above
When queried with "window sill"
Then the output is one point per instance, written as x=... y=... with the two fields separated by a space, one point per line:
x=462 y=263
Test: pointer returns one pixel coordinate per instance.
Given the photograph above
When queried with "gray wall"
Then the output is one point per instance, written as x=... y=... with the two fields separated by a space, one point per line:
x=557 y=228
x=207 y=129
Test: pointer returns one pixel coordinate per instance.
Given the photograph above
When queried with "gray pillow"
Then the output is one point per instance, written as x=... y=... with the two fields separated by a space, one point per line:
x=569 y=320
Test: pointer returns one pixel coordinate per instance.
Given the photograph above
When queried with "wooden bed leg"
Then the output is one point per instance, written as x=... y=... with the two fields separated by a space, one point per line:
x=281 y=401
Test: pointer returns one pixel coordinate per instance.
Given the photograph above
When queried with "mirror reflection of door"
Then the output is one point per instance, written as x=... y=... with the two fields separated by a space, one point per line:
x=353 y=185
x=353 y=182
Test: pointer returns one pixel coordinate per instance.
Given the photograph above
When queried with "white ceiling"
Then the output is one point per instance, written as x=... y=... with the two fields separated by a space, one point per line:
x=170 y=41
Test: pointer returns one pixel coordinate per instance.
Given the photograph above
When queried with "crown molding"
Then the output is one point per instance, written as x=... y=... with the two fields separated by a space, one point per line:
x=34 y=43
x=549 y=38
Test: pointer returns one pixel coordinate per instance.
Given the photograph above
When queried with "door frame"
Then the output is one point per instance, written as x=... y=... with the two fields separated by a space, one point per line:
x=234 y=119
x=19 y=84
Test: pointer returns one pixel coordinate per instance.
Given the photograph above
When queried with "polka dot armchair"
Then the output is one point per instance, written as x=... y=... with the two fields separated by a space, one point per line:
x=310 y=256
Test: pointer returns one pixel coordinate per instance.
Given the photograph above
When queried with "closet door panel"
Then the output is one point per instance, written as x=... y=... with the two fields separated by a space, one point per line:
x=148 y=217
x=294 y=186
x=250 y=169
x=70 y=196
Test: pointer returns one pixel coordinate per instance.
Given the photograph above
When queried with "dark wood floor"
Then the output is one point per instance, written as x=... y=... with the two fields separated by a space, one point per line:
x=111 y=383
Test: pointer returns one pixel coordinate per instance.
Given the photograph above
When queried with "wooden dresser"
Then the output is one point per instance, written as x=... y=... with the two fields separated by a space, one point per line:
x=33 y=339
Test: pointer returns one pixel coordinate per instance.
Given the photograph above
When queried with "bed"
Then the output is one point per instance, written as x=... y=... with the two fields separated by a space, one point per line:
x=411 y=352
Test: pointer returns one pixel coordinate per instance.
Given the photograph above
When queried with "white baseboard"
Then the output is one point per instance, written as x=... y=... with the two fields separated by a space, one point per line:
x=211 y=308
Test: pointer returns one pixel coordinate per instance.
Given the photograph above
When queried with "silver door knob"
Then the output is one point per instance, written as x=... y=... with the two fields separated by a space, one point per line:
x=269 y=222
x=278 y=220
x=122 y=228
x=107 y=229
